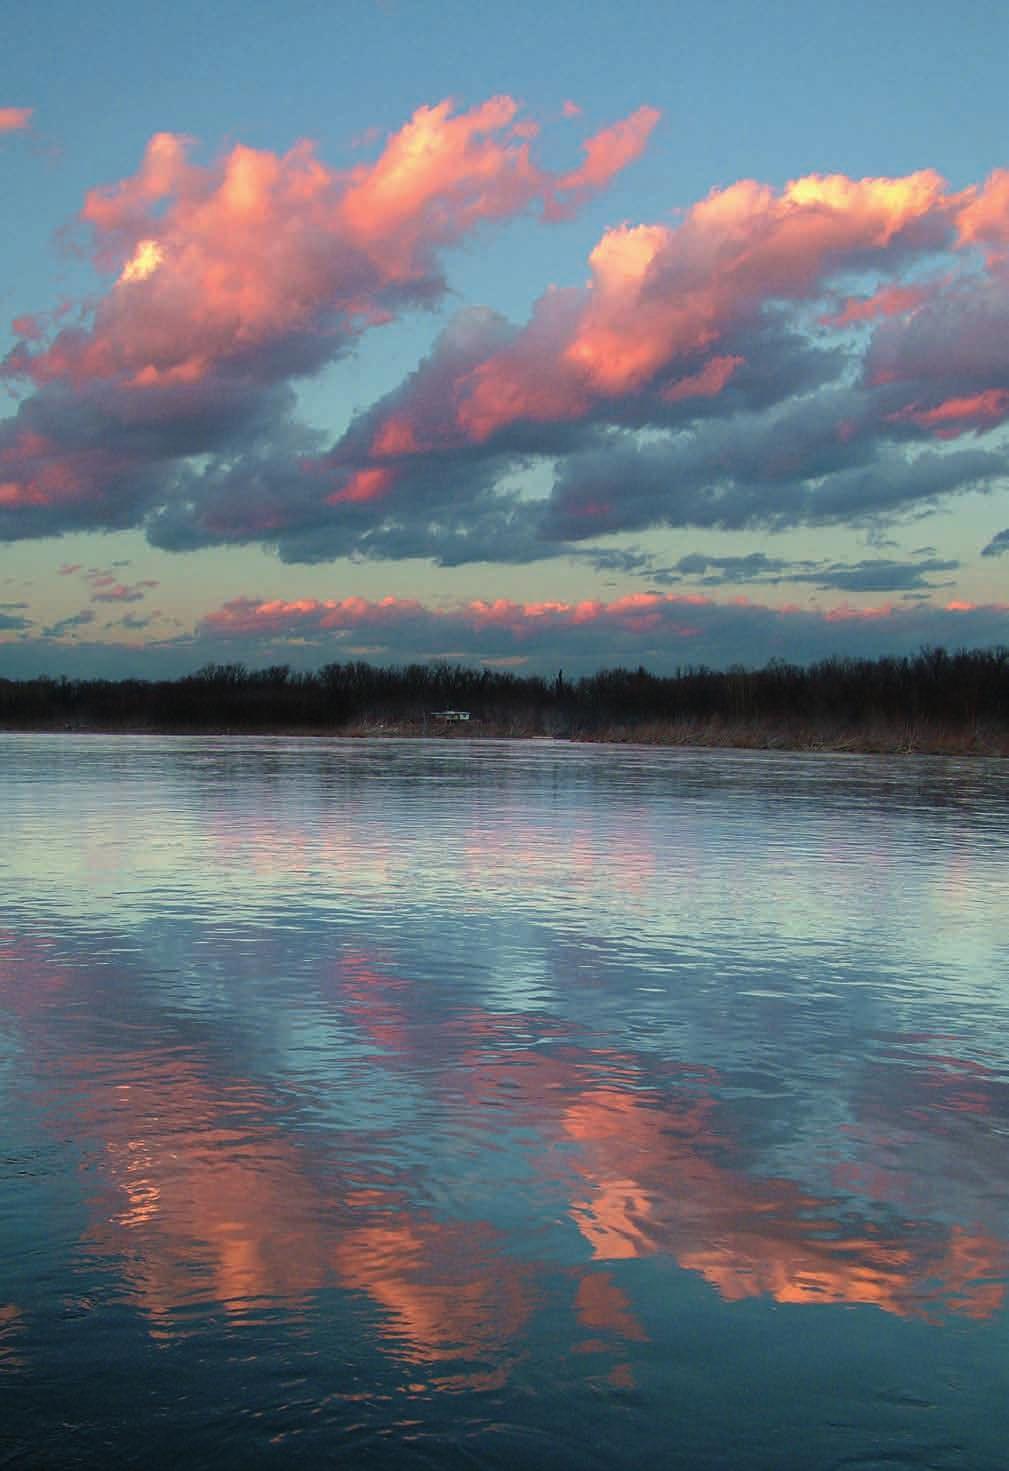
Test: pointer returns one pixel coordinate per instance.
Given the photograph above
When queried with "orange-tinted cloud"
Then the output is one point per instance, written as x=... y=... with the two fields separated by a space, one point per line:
x=955 y=416
x=246 y=616
x=15 y=119
x=662 y=300
x=888 y=301
x=36 y=472
x=223 y=264
x=723 y=334
x=710 y=381
x=363 y=485
x=984 y=216
x=663 y=628
x=633 y=613
x=606 y=153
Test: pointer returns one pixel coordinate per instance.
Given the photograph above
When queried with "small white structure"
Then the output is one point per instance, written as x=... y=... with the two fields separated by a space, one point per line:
x=452 y=716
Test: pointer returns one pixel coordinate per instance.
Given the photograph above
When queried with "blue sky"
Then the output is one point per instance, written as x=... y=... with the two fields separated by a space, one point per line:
x=601 y=406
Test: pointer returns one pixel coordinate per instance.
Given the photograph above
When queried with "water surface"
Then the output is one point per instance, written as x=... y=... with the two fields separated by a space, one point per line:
x=475 y=1104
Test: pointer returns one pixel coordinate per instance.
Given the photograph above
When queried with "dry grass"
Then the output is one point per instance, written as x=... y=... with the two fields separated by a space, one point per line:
x=885 y=738
x=870 y=736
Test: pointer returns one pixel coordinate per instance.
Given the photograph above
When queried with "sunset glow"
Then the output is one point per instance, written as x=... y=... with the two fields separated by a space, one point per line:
x=484 y=339
x=504 y=662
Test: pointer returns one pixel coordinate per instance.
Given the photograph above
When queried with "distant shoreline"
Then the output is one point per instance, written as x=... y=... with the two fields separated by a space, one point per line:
x=933 y=703
x=869 y=738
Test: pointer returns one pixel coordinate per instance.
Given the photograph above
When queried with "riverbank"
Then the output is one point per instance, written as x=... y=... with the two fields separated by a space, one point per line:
x=935 y=702
x=867 y=738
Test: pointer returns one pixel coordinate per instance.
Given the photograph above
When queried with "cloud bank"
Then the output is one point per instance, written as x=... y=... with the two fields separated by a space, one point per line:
x=835 y=351
x=665 y=631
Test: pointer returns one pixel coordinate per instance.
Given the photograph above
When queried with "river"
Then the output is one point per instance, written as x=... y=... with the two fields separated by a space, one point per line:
x=451 y=1104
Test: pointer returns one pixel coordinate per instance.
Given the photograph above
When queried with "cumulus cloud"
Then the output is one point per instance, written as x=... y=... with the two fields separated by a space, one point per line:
x=266 y=265
x=232 y=279
x=836 y=350
x=694 y=380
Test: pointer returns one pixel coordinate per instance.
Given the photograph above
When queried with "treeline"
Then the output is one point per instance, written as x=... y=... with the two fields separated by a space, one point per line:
x=966 y=689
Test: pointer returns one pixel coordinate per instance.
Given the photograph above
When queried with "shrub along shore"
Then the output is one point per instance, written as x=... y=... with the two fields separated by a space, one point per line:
x=935 y=701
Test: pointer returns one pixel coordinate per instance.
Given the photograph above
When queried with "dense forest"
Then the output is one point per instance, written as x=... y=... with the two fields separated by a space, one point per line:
x=933 y=700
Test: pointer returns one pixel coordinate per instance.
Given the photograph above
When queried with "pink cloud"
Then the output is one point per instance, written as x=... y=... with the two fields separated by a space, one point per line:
x=365 y=485
x=232 y=278
x=260 y=253
x=955 y=416
x=660 y=294
x=35 y=472
x=609 y=151
x=15 y=119
x=710 y=381
x=845 y=613
x=661 y=300
x=117 y=592
x=888 y=301
x=984 y=216
x=438 y=177
x=648 y=625
x=28 y=327
x=243 y=616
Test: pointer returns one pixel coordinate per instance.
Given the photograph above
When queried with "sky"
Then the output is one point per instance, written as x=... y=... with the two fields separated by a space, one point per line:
x=527 y=336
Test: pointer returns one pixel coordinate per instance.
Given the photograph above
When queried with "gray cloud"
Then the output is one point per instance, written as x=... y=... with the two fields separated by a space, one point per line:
x=876 y=574
x=69 y=624
x=755 y=473
x=132 y=621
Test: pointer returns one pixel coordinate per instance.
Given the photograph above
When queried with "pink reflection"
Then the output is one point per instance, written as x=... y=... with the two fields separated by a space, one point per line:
x=446 y=1288
x=202 y=1208
x=202 y=1204
x=653 y=1186
x=603 y=1307
x=203 y=1199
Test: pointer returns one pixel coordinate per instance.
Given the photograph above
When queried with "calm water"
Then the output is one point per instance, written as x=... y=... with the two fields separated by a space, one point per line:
x=451 y=1105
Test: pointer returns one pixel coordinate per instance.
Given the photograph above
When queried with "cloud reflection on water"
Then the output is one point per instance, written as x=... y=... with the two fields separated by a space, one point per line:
x=202 y=1188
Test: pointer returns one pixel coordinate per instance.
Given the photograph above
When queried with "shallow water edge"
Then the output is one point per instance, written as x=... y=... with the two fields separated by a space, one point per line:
x=879 y=738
